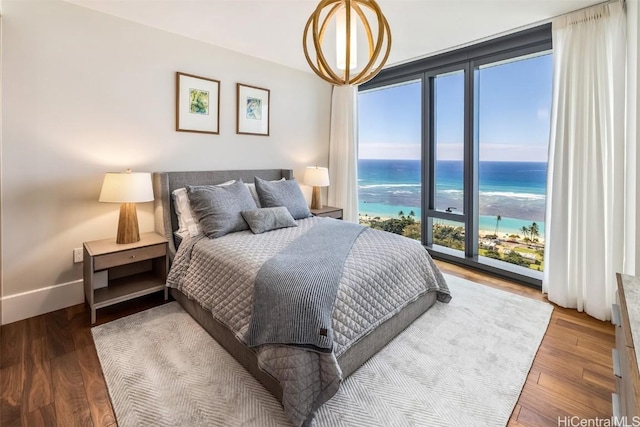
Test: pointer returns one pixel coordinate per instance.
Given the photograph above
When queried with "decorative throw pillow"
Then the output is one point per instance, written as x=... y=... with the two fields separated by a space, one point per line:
x=267 y=219
x=218 y=208
x=187 y=221
x=283 y=193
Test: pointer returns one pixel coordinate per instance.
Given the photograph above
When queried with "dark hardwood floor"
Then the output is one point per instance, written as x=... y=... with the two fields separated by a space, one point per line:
x=572 y=374
x=50 y=374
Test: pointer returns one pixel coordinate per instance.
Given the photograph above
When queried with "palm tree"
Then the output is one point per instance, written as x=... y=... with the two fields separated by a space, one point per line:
x=498 y=219
x=412 y=213
x=401 y=213
x=534 y=230
x=524 y=231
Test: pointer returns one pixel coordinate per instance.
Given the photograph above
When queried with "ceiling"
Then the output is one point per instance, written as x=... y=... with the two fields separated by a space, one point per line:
x=272 y=29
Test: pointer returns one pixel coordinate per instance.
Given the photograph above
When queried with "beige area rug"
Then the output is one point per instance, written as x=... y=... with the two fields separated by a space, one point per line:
x=460 y=364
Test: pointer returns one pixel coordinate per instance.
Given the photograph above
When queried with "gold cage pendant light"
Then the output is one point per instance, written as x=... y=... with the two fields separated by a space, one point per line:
x=346 y=13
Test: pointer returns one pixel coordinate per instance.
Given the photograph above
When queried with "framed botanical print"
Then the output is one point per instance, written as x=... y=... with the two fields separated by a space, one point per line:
x=197 y=104
x=252 y=110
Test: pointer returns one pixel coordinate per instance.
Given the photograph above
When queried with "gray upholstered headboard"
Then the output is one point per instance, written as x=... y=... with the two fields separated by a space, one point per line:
x=166 y=221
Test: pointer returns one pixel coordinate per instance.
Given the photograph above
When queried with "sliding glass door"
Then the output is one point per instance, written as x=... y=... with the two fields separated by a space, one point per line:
x=446 y=119
x=486 y=148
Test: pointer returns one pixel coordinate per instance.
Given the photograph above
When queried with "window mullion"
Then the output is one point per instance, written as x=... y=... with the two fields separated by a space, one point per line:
x=427 y=159
x=471 y=165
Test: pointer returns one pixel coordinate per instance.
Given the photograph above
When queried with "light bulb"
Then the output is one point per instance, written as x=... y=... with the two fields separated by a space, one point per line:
x=341 y=39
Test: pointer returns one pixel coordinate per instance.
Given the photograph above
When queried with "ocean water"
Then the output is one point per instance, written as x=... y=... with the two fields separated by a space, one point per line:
x=514 y=190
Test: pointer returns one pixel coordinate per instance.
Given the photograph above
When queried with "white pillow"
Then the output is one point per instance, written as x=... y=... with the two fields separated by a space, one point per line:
x=187 y=221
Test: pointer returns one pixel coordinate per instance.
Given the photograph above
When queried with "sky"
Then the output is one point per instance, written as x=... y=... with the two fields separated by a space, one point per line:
x=514 y=100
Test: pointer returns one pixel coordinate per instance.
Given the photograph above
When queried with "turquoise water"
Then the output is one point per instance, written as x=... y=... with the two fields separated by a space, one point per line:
x=513 y=190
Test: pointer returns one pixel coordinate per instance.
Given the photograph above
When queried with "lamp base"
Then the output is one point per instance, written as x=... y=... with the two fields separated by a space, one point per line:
x=128 y=224
x=316 y=198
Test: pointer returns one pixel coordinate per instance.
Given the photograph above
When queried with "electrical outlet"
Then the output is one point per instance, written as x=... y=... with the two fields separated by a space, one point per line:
x=77 y=255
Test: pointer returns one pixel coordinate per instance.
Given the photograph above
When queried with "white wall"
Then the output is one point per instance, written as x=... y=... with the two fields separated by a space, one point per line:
x=633 y=107
x=85 y=93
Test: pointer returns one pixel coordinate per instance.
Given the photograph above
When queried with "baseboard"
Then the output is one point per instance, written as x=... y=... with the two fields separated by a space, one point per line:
x=40 y=301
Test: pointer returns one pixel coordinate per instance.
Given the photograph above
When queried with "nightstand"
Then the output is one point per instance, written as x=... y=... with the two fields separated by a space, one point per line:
x=115 y=273
x=328 y=211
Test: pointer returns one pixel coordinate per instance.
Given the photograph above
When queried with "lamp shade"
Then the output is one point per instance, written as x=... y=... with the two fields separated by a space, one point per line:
x=126 y=187
x=316 y=176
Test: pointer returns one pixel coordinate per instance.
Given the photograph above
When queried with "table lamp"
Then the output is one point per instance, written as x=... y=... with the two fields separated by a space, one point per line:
x=316 y=177
x=127 y=188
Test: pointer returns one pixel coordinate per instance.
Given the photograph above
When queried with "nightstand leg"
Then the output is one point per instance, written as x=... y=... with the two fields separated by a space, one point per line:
x=166 y=293
x=93 y=316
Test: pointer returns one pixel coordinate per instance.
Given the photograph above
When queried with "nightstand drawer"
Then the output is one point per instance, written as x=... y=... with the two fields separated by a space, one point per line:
x=102 y=262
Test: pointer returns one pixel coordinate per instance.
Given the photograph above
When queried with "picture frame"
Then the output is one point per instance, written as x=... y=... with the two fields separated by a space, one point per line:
x=197 y=104
x=252 y=110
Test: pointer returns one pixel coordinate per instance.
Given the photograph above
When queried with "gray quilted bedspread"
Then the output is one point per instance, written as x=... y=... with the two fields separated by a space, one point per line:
x=382 y=274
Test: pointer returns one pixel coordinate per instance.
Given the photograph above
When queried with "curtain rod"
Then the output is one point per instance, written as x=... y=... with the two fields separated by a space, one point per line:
x=624 y=5
x=504 y=33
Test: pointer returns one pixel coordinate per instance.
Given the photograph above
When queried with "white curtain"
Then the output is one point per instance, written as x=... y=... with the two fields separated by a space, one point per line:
x=587 y=202
x=343 y=151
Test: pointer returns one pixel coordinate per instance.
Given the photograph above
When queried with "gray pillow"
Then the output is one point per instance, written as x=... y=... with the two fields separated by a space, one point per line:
x=267 y=219
x=252 y=189
x=283 y=193
x=218 y=208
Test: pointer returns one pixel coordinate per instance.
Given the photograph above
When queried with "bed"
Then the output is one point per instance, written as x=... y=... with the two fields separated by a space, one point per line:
x=388 y=281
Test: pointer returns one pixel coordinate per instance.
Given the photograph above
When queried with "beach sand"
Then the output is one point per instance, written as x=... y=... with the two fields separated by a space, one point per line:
x=482 y=233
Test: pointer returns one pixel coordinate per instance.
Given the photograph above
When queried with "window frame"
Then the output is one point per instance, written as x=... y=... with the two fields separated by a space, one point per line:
x=470 y=58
